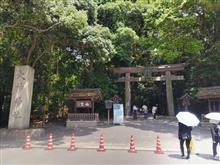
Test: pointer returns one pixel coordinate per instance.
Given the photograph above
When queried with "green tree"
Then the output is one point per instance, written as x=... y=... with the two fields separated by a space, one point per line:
x=95 y=48
x=126 y=40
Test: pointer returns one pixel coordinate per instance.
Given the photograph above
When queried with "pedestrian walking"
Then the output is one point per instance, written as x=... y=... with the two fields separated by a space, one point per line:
x=154 y=111
x=184 y=135
x=215 y=132
x=145 y=109
x=135 y=110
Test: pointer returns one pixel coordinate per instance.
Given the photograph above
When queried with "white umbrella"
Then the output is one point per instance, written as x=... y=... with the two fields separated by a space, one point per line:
x=213 y=121
x=187 y=119
x=213 y=116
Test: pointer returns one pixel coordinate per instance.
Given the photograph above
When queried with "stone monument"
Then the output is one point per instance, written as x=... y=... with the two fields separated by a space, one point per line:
x=21 y=98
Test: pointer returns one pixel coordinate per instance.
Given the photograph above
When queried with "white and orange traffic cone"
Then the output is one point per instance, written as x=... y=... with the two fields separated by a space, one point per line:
x=158 y=146
x=101 y=144
x=132 y=145
x=50 y=142
x=72 y=143
x=27 y=145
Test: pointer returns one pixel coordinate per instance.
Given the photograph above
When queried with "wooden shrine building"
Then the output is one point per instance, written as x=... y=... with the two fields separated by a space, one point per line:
x=84 y=106
x=166 y=75
x=212 y=94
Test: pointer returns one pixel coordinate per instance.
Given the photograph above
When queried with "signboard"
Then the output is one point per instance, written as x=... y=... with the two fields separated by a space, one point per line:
x=108 y=104
x=118 y=114
x=84 y=104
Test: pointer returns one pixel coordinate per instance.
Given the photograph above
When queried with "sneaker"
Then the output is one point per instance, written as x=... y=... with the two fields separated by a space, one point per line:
x=182 y=156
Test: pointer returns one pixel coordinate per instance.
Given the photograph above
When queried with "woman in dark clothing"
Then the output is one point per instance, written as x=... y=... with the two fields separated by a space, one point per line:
x=215 y=131
x=184 y=135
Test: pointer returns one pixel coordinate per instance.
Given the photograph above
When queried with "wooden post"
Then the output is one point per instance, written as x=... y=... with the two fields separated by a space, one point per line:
x=92 y=105
x=209 y=105
x=75 y=109
x=108 y=115
x=169 y=92
x=214 y=107
x=127 y=95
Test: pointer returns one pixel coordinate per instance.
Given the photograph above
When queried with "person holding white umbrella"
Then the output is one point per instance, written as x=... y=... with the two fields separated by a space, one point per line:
x=215 y=132
x=184 y=135
x=186 y=121
x=214 y=118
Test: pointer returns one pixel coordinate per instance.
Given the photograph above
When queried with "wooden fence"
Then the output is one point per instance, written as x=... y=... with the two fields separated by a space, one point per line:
x=83 y=116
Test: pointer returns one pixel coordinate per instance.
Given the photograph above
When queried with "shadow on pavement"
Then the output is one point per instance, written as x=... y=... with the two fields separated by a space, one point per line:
x=205 y=156
x=15 y=138
x=175 y=156
x=166 y=126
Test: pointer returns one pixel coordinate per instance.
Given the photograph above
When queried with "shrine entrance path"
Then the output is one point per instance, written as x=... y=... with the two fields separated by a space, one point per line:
x=115 y=136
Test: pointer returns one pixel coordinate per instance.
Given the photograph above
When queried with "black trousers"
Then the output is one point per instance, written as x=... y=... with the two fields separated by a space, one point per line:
x=187 y=141
x=214 y=148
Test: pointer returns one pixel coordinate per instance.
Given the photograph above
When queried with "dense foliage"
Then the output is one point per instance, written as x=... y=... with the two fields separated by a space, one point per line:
x=75 y=43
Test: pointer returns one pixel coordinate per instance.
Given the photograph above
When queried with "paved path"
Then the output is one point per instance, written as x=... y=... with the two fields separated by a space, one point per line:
x=116 y=141
x=115 y=136
x=86 y=156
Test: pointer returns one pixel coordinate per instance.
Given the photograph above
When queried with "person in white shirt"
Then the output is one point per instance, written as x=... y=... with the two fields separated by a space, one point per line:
x=154 y=111
x=135 y=109
x=145 y=109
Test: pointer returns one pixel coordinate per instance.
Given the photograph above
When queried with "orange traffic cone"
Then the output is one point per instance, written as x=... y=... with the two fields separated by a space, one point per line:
x=101 y=144
x=132 y=145
x=27 y=145
x=158 y=146
x=50 y=142
x=72 y=144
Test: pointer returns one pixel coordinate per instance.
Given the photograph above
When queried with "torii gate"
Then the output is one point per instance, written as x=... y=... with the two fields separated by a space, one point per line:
x=168 y=77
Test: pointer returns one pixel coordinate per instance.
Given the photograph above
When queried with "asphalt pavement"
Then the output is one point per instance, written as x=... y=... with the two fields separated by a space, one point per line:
x=115 y=136
x=90 y=156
